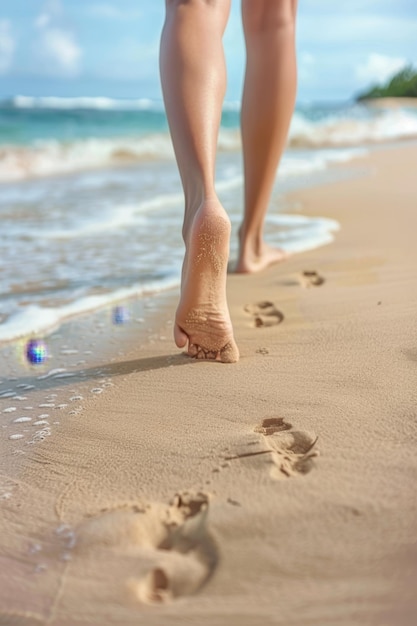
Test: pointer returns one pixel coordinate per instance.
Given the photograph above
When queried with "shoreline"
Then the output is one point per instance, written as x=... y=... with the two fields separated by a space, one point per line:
x=390 y=103
x=290 y=538
x=55 y=145
x=45 y=319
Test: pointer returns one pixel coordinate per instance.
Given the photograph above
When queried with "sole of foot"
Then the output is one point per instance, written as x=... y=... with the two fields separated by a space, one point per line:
x=202 y=321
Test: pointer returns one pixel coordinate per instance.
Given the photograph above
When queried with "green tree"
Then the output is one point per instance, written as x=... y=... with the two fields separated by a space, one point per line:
x=401 y=85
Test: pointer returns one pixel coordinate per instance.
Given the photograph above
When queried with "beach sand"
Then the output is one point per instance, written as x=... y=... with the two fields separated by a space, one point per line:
x=391 y=103
x=280 y=490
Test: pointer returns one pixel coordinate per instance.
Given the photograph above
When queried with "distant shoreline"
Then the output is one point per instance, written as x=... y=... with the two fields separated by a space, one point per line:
x=390 y=102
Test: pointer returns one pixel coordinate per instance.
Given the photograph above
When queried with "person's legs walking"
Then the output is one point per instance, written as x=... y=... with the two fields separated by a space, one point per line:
x=193 y=77
x=267 y=106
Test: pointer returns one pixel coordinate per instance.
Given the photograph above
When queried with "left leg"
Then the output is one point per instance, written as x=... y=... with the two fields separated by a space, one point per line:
x=193 y=76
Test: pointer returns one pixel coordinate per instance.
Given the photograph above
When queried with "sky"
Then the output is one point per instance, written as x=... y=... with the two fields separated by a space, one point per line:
x=110 y=47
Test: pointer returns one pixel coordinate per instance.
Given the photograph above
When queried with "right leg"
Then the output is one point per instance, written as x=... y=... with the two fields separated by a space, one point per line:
x=267 y=106
x=193 y=79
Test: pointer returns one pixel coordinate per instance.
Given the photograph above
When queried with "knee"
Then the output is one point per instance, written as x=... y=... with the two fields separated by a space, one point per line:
x=202 y=14
x=196 y=9
x=268 y=15
x=176 y=4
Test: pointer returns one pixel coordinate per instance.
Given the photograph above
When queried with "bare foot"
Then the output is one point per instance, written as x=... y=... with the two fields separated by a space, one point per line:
x=202 y=319
x=251 y=260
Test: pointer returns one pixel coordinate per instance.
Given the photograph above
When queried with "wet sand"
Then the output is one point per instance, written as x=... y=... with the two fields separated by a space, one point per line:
x=280 y=490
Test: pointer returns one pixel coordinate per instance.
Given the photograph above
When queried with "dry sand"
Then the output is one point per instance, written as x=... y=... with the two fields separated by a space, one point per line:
x=196 y=493
x=391 y=103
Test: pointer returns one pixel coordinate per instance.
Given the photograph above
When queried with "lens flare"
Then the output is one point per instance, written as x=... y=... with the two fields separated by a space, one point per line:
x=120 y=315
x=36 y=351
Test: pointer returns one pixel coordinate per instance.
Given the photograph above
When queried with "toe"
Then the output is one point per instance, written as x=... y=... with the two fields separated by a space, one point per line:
x=230 y=353
x=180 y=336
x=193 y=350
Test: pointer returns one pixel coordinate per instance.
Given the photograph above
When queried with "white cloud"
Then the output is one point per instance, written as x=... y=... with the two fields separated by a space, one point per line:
x=57 y=43
x=60 y=46
x=7 y=46
x=378 y=68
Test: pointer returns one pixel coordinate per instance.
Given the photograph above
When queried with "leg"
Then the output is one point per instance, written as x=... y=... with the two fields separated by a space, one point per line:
x=267 y=106
x=193 y=77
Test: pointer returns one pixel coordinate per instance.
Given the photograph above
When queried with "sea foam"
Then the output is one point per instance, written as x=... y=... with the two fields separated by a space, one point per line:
x=132 y=131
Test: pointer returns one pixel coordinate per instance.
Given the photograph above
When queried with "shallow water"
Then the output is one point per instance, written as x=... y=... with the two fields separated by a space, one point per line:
x=76 y=243
x=107 y=225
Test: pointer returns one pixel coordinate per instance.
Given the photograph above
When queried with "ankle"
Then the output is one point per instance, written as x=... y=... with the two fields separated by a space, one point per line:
x=251 y=241
x=209 y=214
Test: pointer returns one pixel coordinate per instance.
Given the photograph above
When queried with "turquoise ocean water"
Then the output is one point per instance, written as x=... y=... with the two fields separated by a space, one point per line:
x=91 y=203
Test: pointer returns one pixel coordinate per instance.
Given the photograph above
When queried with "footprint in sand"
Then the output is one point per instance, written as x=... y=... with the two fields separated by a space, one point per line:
x=264 y=313
x=311 y=279
x=173 y=541
x=287 y=452
x=292 y=451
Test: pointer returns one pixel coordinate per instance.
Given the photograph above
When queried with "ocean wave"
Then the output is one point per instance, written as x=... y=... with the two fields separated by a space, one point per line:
x=37 y=320
x=351 y=130
x=53 y=157
x=47 y=158
x=100 y=103
x=295 y=233
x=120 y=217
x=298 y=233
x=95 y=103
